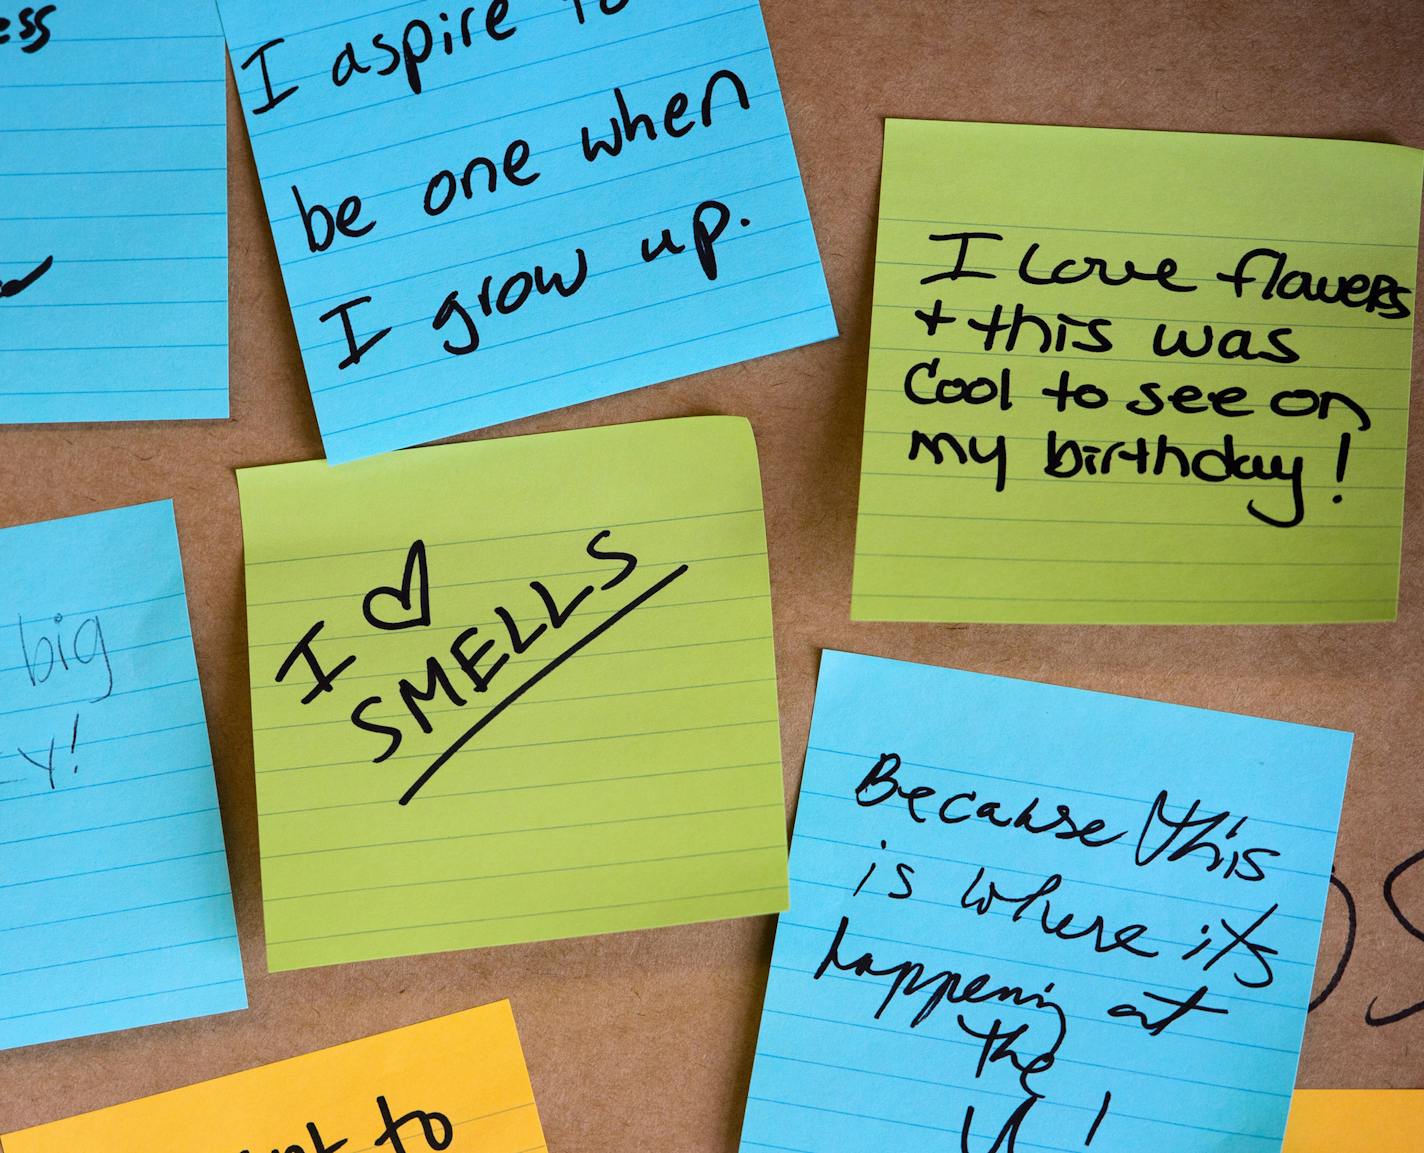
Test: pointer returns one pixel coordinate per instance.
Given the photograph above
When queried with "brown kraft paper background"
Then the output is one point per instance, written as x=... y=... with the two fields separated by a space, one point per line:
x=643 y=1043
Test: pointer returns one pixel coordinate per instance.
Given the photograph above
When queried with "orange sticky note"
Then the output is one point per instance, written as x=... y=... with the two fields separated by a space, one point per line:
x=457 y=1082
x=1337 y=1120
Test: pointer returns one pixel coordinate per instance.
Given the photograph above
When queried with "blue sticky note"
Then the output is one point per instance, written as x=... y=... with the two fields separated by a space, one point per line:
x=115 y=905
x=491 y=210
x=113 y=212
x=1048 y=918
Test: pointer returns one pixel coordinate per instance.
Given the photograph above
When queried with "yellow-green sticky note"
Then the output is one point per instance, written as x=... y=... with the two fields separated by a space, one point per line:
x=513 y=690
x=1136 y=377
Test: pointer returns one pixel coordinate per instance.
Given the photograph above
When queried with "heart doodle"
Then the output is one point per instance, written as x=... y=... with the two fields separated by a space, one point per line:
x=405 y=595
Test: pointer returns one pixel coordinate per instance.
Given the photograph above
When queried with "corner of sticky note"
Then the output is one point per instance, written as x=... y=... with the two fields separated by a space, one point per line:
x=1344 y=1120
x=458 y=1081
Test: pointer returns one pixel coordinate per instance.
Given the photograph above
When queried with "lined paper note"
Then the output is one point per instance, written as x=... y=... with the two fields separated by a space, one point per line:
x=1130 y=377
x=1049 y=918
x=456 y=1082
x=115 y=909
x=113 y=212
x=513 y=690
x=545 y=203
x=1332 y=1120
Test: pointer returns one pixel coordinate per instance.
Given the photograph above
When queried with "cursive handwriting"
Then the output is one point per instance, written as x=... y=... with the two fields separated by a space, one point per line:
x=9 y=288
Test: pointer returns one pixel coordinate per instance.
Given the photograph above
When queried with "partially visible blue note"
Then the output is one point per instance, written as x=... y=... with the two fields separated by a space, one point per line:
x=463 y=216
x=115 y=906
x=113 y=212
x=1036 y=918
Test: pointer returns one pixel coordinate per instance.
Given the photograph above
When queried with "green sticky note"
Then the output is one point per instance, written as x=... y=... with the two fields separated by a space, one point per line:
x=513 y=690
x=1136 y=377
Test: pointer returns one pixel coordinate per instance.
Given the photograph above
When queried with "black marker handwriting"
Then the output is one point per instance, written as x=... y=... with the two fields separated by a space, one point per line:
x=1379 y=294
x=993 y=451
x=1074 y=270
x=355 y=348
x=1178 y=1008
x=437 y=1133
x=1351 y=925
x=1196 y=834
x=1411 y=924
x=1236 y=938
x=882 y=784
x=704 y=237
x=476 y=656
x=429 y=1123
x=274 y=98
x=980 y=1004
x=418 y=41
x=597 y=631
x=9 y=288
x=29 y=27
x=323 y=681
x=1013 y=328
x=1411 y=927
x=912 y=979
x=512 y=294
x=470 y=654
x=1214 y=840
x=626 y=126
x=1068 y=457
x=415 y=585
x=1036 y=904
x=1063 y=332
